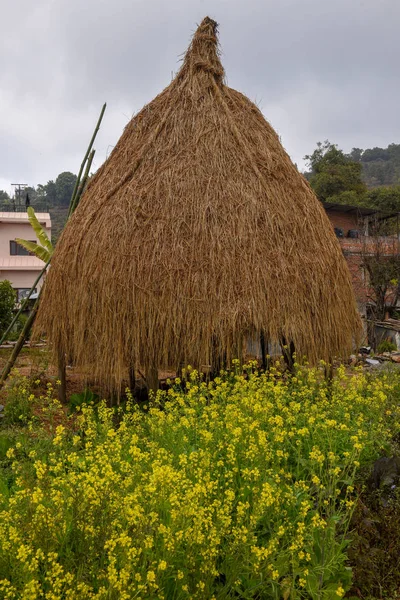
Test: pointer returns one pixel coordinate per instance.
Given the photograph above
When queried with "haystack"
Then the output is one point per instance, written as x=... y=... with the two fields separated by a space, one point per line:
x=197 y=231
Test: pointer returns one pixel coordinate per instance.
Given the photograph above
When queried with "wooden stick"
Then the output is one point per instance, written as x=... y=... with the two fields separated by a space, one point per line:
x=152 y=378
x=132 y=378
x=263 y=351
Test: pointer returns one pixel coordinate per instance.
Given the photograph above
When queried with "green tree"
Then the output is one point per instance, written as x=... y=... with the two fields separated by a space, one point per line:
x=7 y=303
x=333 y=173
x=4 y=197
x=356 y=154
x=51 y=192
x=41 y=192
x=386 y=199
x=65 y=184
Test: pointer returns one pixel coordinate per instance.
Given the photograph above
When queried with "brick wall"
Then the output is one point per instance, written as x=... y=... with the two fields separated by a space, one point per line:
x=344 y=221
x=355 y=248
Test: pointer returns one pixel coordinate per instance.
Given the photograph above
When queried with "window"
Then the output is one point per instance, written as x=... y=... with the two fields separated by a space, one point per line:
x=17 y=250
x=23 y=292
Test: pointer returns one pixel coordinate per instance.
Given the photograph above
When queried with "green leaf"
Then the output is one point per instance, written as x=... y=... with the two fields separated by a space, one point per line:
x=39 y=230
x=37 y=250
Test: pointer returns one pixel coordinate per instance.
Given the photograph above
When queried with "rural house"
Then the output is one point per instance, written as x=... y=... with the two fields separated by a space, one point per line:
x=354 y=227
x=17 y=264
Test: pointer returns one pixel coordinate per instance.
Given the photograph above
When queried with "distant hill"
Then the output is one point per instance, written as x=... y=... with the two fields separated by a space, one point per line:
x=380 y=166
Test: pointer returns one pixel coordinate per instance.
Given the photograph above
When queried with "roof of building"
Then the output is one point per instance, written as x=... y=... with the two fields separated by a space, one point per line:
x=361 y=211
x=17 y=263
x=22 y=217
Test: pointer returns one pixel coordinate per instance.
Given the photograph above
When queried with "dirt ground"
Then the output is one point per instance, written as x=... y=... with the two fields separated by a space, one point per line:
x=35 y=363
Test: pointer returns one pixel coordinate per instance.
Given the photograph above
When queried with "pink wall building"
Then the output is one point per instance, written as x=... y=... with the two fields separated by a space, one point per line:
x=16 y=264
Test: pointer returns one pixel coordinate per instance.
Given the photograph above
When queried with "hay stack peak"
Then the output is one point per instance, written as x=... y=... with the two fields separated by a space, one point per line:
x=196 y=232
x=202 y=56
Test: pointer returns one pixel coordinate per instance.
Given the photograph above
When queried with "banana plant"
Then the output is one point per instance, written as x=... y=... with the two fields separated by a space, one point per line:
x=44 y=249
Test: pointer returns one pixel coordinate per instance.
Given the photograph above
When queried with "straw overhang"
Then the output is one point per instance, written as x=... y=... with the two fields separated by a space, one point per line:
x=197 y=231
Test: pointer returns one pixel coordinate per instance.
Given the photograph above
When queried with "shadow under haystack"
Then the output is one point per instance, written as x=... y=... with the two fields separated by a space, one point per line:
x=196 y=232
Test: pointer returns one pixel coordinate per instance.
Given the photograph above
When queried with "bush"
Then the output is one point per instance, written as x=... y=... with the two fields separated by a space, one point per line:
x=7 y=303
x=386 y=346
x=17 y=328
x=18 y=404
x=243 y=487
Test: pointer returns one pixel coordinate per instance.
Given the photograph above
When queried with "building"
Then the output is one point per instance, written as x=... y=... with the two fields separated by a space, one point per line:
x=353 y=226
x=16 y=264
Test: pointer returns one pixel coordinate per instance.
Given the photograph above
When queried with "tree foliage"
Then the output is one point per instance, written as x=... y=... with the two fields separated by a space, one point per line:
x=65 y=184
x=381 y=166
x=7 y=303
x=342 y=178
x=4 y=197
x=333 y=174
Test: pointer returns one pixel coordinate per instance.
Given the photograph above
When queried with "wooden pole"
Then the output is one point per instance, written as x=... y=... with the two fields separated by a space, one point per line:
x=152 y=378
x=132 y=378
x=288 y=351
x=263 y=351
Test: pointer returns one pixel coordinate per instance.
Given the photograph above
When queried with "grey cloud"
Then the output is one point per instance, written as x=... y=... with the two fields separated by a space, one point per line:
x=318 y=69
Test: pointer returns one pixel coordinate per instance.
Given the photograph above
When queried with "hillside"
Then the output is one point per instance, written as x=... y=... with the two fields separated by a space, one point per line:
x=380 y=166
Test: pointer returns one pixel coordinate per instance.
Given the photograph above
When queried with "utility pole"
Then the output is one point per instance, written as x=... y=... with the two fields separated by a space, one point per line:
x=19 y=188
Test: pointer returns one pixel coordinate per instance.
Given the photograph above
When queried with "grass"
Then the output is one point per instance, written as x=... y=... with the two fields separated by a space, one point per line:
x=245 y=487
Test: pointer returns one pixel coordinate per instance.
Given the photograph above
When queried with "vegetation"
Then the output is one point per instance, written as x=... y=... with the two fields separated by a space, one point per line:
x=7 y=303
x=348 y=178
x=243 y=487
x=334 y=176
x=44 y=249
x=381 y=166
x=386 y=346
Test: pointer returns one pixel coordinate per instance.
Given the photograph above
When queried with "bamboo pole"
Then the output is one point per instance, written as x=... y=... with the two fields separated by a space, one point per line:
x=72 y=203
x=24 y=304
x=83 y=183
x=18 y=346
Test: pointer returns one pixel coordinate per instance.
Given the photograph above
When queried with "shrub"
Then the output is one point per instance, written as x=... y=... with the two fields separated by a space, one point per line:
x=17 y=328
x=7 y=303
x=386 y=346
x=18 y=404
x=243 y=487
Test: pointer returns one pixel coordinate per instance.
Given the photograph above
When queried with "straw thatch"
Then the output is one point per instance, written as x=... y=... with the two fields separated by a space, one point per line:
x=197 y=231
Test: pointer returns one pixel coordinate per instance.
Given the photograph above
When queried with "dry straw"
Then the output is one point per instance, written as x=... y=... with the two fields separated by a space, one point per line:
x=197 y=231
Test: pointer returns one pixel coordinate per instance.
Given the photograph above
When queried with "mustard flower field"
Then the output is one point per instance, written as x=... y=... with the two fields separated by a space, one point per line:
x=243 y=487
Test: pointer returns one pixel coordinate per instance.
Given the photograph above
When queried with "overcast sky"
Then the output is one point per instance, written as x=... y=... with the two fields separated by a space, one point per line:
x=317 y=69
